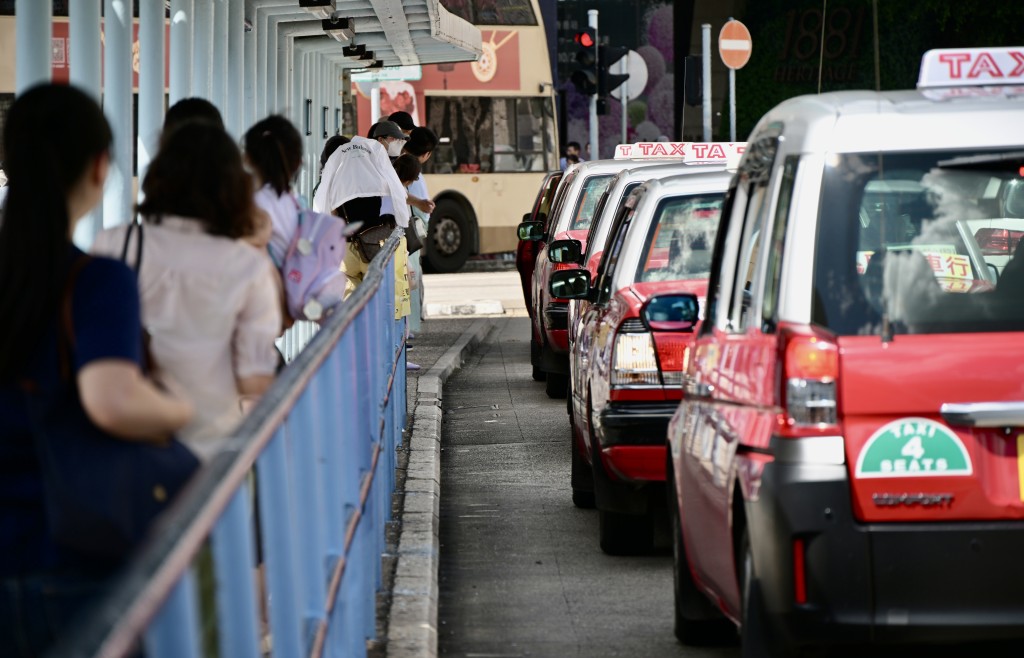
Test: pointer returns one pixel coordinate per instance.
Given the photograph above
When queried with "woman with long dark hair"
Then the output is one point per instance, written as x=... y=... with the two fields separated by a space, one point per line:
x=70 y=357
x=209 y=299
x=273 y=149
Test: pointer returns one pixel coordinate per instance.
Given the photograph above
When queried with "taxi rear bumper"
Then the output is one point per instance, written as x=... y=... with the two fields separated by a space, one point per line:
x=878 y=583
x=636 y=423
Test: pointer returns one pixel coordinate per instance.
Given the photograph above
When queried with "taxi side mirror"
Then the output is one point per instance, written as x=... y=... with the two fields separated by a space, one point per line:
x=671 y=312
x=570 y=284
x=565 y=251
x=531 y=231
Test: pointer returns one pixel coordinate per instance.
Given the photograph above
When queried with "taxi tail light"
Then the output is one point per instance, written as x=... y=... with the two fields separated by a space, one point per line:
x=810 y=369
x=634 y=362
x=673 y=353
x=998 y=241
x=799 y=572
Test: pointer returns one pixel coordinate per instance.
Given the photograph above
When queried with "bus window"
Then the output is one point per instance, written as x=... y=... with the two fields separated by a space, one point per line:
x=484 y=135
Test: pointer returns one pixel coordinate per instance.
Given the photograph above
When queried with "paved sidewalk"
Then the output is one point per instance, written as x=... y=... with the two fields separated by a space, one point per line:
x=407 y=608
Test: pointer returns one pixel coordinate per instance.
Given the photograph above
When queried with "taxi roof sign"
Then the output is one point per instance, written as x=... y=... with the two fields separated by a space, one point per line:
x=959 y=67
x=689 y=152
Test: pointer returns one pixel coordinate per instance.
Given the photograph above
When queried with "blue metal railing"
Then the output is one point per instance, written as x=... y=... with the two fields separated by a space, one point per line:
x=322 y=444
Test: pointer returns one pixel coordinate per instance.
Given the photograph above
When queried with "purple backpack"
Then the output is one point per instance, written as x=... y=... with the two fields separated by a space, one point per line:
x=313 y=281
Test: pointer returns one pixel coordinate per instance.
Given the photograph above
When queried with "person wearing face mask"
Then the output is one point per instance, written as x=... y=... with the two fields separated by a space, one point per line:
x=355 y=179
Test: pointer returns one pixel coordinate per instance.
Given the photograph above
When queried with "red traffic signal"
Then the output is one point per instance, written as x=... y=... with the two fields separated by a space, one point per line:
x=585 y=39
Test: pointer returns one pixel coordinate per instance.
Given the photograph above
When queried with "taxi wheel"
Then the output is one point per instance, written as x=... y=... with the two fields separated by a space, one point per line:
x=582 y=478
x=556 y=385
x=697 y=621
x=625 y=534
x=756 y=637
x=537 y=374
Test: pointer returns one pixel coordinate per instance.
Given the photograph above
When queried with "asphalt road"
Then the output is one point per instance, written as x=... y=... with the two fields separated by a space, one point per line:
x=521 y=570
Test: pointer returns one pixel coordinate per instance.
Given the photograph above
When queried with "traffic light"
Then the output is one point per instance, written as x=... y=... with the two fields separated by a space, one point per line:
x=584 y=77
x=608 y=56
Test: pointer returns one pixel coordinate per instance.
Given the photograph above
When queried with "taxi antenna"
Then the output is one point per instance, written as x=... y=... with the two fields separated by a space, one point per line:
x=878 y=71
x=821 y=55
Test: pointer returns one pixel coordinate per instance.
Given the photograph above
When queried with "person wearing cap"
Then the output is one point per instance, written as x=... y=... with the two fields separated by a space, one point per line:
x=404 y=121
x=390 y=135
x=355 y=179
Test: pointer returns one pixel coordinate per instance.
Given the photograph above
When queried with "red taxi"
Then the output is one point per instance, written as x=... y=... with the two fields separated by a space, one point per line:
x=630 y=371
x=646 y=163
x=534 y=225
x=571 y=214
x=847 y=463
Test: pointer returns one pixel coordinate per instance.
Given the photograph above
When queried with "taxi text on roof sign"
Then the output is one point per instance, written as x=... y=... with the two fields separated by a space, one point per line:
x=723 y=152
x=958 y=67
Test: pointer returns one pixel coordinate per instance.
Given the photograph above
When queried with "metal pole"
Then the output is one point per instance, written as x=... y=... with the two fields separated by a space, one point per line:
x=151 y=83
x=262 y=89
x=117 y=103
x=594 y=154
x=625 y=95
x=182 y=15
x=219 y=62
x=238 y=63
x=202 y=50
x=83 y=33
x=84 y=45
x=374 y=102
x=732 y=105
x=282 y=70
x=33 y=23
x=705 y=31
x=84 y=58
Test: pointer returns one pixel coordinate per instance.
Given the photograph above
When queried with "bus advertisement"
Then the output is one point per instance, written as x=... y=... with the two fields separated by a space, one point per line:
x=496 y=122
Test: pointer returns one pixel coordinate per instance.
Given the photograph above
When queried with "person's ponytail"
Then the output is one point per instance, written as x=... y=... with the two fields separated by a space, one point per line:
x=274 y=148
x=52 y=135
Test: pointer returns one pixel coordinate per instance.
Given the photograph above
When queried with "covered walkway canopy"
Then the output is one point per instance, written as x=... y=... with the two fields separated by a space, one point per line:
x=251 y=58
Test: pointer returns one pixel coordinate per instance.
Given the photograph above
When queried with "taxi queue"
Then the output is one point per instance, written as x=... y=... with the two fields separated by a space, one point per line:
x=807 y=349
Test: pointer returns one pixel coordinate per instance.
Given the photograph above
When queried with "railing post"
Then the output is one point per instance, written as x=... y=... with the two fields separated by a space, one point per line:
x=175 y=631
x=278 y=537
x=304 y=429
x=235 y=563
x=335 y=455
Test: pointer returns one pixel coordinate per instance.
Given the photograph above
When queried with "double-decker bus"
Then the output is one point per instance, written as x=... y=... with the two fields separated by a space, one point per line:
x=496 y=121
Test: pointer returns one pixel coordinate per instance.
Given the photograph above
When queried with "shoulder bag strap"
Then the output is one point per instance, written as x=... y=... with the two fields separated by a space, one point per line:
x=66 y=324
x=134 y=224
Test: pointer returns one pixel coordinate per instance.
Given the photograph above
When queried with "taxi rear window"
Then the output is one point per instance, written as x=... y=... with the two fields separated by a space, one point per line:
x=681 y=238
x=898 y=246
x=590 y=195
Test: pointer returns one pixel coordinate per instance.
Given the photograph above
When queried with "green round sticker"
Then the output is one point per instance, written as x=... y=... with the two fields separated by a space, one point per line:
x=913 y=447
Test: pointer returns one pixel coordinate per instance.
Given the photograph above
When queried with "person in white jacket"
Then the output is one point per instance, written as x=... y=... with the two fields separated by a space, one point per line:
x=355 y=179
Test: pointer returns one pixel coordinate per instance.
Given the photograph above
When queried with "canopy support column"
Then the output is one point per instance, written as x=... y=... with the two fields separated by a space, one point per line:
x=117 y=103
x=151 y=83
x=33 y=22
x=182 y=21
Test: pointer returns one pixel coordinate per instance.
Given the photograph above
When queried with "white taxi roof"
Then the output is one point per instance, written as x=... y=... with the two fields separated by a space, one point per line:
x=959 y=67
x=687 y=152
x=949 y=110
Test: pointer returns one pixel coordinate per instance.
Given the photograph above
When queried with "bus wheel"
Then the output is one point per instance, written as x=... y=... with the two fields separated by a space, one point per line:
x=449 y=237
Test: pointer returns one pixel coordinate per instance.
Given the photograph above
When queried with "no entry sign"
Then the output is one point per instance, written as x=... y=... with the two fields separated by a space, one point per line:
x=734 y=44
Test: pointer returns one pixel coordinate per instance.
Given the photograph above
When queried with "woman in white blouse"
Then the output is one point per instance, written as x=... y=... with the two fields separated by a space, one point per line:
x=209 y=299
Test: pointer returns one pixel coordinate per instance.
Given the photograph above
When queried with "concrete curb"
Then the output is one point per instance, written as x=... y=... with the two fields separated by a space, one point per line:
x=412 y=629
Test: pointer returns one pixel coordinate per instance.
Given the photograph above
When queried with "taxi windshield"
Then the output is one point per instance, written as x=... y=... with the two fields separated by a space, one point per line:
x=590 y=195
x=596 y=241
x=681 y=238
x=920 y=242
